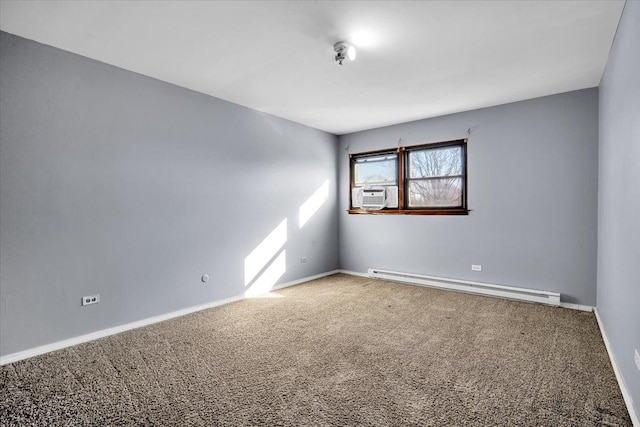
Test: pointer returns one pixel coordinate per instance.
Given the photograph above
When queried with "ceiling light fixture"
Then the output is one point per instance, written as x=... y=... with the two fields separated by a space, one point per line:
x=344 y=50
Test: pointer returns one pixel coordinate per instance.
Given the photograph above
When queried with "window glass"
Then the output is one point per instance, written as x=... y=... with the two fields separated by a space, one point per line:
x=378 y=170
x=435 y=162
x=431 y=193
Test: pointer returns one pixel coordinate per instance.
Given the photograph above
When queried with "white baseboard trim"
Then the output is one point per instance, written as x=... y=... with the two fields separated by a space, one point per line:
x=36 y=351
x=25 y=354
x=616 y=370
x=579 y=307
x=305 y=279
x=353 y=273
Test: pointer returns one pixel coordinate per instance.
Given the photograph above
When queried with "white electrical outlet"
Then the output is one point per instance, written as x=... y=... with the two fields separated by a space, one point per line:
x=91 y=299
x=636 y=358
x=476 y=267
x=303 y=259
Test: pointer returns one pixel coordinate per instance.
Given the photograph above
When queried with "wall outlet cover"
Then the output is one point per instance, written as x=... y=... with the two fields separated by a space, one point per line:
x=91 y=299
x=476 y=267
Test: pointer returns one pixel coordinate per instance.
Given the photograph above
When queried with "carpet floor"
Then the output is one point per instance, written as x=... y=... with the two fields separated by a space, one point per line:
x=338 y=351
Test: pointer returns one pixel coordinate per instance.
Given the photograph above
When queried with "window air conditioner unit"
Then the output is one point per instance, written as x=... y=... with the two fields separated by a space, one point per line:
x=374 y=197
x=392 y=197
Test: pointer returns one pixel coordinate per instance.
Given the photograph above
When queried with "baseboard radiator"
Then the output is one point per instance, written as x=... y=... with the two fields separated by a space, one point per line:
x=500 y=291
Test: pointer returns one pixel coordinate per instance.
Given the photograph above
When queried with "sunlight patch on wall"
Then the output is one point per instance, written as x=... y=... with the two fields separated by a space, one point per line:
x=313 y=203
x=269 y=277
x=262 y=254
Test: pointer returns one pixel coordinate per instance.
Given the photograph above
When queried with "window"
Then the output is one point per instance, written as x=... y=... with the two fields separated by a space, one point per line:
x=429 y=179
x=376 y=169
x=435 y=176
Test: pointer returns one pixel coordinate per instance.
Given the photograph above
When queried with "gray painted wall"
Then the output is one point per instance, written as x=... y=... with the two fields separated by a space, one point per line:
x=619 y=199
x=532 y=177
x=122 y=185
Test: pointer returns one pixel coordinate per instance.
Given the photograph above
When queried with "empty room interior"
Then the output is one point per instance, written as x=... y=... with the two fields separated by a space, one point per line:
x=320 y=213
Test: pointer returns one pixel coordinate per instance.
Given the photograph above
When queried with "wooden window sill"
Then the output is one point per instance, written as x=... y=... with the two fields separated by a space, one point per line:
x=410 y=212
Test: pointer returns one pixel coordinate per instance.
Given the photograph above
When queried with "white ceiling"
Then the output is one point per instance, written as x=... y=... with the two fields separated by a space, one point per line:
x=415 y=59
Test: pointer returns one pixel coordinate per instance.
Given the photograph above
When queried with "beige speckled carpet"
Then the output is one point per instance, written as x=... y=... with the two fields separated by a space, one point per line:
x=339 y=351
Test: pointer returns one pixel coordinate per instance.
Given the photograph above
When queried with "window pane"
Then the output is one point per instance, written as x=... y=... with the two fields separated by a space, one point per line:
x=428 y=193
x=435 y=162
x=379 y=170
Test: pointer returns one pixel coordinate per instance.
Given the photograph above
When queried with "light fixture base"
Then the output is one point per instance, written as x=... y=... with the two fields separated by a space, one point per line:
x=343 y=51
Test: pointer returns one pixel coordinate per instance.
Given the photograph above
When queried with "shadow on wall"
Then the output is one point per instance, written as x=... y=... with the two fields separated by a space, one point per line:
x=267 y=263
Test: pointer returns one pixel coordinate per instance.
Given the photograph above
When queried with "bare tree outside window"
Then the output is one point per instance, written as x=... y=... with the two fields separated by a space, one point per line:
x=435 y=177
